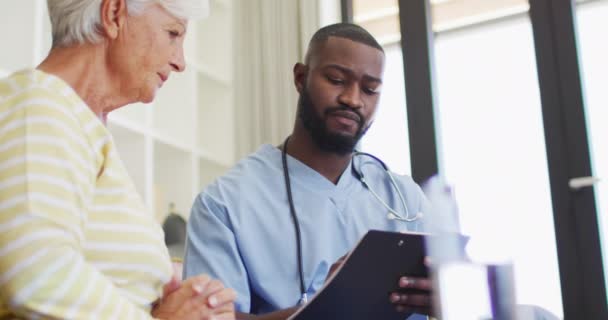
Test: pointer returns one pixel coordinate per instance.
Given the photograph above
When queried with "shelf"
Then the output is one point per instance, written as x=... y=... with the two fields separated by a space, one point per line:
x=18 y=21
x=169 y=141
x=131 y=148
x=127 y=124
x=214 y=40
x=226 y=4
x=46 y=36
x=215 y=122
x=181 y=141
x=210 y=157
x=209 y=171
x=173 y=173
x=202 y=69
x=159 y=138
x=173 y=112
x=133 y=117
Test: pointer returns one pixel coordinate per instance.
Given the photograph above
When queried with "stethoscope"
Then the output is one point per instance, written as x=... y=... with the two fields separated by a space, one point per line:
x=391 y=215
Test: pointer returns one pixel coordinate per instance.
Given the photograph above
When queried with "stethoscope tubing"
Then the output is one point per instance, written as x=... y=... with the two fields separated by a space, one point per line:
x=392 y=214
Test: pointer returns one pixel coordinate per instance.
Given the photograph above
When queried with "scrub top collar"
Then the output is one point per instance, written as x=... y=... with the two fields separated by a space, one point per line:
x=308 y=178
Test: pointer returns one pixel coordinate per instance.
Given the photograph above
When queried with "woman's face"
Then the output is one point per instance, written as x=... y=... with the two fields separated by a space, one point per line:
x=149 y=48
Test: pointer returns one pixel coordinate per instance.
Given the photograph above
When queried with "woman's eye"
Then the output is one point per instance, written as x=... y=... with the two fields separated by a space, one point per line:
x=173 y=33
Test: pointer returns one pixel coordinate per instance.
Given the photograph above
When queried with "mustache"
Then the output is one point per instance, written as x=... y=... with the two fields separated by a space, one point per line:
x=346 y=112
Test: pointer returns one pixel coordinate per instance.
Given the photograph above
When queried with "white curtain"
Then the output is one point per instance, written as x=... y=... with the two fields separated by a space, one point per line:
x=270 y=37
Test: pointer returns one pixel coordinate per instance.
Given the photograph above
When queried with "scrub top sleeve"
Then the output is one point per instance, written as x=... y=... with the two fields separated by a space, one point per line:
x=211 y=249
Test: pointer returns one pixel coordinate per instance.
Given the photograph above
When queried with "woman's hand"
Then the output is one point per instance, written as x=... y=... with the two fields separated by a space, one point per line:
x=199 y=298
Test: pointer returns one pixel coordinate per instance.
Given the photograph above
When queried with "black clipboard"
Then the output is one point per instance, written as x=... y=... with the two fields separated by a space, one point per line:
x=360 y=288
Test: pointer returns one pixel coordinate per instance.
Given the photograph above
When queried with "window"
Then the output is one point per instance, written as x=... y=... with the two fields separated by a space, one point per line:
x=491 y=128
x=593 y=50
x=388 y=137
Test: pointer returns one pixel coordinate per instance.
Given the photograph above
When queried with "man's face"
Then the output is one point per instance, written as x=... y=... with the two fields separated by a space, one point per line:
x=339 y=93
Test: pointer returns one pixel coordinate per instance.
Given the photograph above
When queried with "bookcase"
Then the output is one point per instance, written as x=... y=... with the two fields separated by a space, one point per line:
x=175 y=145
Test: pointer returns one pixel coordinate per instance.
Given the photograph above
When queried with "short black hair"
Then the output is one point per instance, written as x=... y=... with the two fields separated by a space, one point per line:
x=344 y=30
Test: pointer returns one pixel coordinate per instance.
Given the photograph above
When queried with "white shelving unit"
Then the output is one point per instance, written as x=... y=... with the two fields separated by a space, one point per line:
x=176 y=145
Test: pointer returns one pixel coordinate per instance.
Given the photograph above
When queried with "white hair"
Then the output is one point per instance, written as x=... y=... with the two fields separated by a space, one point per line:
x=78 y=21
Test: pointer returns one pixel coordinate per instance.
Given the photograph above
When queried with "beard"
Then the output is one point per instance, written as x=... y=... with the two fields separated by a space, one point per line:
x=332 y=142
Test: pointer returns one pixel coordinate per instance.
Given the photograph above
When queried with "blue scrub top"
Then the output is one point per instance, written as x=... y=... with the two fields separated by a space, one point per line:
x=241 y=231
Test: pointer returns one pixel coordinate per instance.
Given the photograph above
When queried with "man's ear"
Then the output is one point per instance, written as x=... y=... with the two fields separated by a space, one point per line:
x=300 y=73
x=113 y=16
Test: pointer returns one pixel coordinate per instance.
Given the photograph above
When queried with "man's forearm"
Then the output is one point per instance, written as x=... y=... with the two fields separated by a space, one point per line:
x=277 y=315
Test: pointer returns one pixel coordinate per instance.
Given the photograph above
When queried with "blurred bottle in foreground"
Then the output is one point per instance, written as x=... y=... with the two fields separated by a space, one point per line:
x=463 y=289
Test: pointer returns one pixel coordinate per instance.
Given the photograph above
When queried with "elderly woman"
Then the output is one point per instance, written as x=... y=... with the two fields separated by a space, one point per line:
x=76 y=241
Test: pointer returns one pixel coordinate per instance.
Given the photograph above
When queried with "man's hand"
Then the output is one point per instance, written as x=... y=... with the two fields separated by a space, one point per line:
x=414 y=296
x=335 y=266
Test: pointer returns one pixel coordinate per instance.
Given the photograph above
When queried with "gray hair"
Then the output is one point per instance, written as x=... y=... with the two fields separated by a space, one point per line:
x=77 y=21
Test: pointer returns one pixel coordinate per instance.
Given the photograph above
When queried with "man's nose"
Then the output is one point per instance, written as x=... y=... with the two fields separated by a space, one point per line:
x=351 y=96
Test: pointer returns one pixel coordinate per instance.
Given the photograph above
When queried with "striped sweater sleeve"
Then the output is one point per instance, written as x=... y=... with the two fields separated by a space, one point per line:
x=47 y=177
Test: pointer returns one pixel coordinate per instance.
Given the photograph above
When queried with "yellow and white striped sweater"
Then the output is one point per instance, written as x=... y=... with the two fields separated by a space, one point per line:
x=76 y=241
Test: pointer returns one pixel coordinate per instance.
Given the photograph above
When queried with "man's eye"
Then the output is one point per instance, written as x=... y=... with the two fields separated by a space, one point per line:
x=371 y=91
x=173 y=33
x=335 y=80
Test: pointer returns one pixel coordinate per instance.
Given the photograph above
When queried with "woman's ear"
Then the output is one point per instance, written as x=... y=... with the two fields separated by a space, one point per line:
x=113 y=16
x=300 y=73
